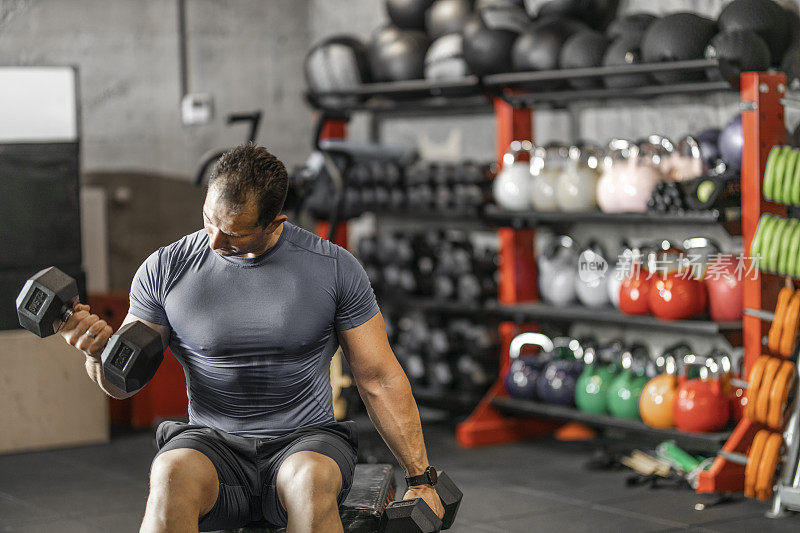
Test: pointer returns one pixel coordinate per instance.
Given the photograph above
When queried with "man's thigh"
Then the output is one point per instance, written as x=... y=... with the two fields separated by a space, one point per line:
x=237 y=503
x=329 y=444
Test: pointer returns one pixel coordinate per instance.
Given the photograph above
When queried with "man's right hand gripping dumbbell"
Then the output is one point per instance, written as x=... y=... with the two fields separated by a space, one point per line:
x=48 y=304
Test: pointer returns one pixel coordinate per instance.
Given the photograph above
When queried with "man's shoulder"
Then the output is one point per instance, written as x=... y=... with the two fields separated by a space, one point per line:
x=309 y=242
x=185 y=247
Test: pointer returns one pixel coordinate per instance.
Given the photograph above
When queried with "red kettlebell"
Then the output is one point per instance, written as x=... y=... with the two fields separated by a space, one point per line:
x=674 y=293
x=725 y=289
x=634 y=290
x=701 y=405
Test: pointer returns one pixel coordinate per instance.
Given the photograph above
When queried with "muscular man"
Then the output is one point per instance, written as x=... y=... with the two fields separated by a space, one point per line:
x=254 y=307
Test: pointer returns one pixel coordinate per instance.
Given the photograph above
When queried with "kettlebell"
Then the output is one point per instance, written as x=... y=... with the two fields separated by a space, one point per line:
x=634 y=290
x=623 y=264
x=624 y=391
x=686 y=161
x=636 y=180
x=557 y=271
x=673 y=293
x=607 y=188
x=725 y=289
x=658 y=397
x=556 y=384
x=593 y=269
x=700 y=404
x=591 y=386
x=576 y=186
x=524 y=371
x=547 y=164
x=511 y=187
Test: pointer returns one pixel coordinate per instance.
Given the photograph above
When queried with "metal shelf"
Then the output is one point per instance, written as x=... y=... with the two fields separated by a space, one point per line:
x=525 y=219
x=708 y=442
x=575 y=313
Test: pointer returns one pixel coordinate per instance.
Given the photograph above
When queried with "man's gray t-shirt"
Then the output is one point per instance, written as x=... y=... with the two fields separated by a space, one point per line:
x=255 y=336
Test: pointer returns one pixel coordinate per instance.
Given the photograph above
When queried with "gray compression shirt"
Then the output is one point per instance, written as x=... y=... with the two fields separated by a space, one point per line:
x=255 y=336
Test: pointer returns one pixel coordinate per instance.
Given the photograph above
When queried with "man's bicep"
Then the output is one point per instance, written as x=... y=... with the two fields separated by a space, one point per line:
x=164 y=331
x=367 y=349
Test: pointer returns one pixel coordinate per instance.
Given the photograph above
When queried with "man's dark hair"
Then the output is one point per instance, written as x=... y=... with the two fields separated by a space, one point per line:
x=250 y=171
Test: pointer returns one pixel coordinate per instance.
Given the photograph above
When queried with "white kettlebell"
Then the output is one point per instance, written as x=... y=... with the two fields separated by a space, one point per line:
x=591 y=281
x=622 y=266
x=557 y=271
x=687 y=161
x=547 y=164
x=511 y=187
x=576 y=189
x=615 y=160
x=637 y=179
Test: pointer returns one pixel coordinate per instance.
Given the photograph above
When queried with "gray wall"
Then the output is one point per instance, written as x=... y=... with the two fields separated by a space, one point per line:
x=247 y=53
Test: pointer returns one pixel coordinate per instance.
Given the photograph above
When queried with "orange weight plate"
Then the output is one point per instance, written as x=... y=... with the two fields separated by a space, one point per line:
x=765 y=478
x=753 y=461
x=774 y=335
x=779 y=394
x=752 y=388
x=762 y=400
x=790 y=323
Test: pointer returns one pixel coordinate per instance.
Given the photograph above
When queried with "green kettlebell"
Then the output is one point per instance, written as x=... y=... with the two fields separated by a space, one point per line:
x=591 y=389
x=624 y=391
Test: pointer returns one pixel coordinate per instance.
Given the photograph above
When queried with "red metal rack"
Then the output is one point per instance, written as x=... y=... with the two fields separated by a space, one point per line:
x=764 y=127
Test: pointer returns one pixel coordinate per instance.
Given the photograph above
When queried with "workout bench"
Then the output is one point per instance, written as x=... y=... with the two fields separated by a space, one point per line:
x=373 y=488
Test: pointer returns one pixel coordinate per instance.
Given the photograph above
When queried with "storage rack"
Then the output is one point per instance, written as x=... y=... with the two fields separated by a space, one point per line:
x=512 y=107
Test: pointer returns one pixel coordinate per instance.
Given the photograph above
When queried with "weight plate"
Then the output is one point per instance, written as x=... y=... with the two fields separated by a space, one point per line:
x=779 y=395
x=770 y=457
x=769 y=172
x=774 y=335
x=753 y=385
x=786 y=240
x=753 y=462
x=794 y=248
x=780 y=169
x=762 y=401
x=790 y=158
x=758 y=239
x=775 y=245
x=790 y=323
x=766 y=244
x=796 y=179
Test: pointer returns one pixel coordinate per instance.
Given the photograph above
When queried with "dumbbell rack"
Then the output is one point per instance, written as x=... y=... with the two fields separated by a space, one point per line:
x=763 y=124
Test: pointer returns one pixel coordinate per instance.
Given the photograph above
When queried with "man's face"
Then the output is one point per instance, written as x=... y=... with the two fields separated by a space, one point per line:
x=234 y=234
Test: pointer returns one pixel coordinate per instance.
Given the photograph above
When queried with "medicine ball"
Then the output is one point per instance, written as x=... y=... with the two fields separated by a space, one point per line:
x=487 y=51
x=397 y=55
x=625 y=50
x=539 y=47
x=583 y=49
x=633 y=23
x=677 y=37
x=791 y=66
x=408 y=14
x=503 y=14
x=741 y=50
x=334 y=64
x=596 y=13
x=445 y=58
x=447 y=16
x=765 y=17
x=731 y=142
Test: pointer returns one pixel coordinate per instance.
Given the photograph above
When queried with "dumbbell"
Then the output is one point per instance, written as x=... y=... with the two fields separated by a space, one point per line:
x=131 y=356
x=415 y=516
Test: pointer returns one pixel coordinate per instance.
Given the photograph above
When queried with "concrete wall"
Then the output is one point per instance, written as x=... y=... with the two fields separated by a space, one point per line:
x=247 y=53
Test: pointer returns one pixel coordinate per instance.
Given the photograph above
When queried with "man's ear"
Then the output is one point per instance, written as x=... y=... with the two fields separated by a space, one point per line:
x=280 y=219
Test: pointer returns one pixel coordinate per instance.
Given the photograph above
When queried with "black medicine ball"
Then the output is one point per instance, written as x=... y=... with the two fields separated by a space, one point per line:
x=625 y=50
x=337 y=63
x=769 y=20
x=397 y=55
x=487 y=51
x=584 y=49
x=447 y=16
x=677 y=37
x=741 y=50
x=408 y=14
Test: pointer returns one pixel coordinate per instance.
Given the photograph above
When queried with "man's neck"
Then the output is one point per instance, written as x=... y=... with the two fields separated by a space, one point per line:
x=272 y=241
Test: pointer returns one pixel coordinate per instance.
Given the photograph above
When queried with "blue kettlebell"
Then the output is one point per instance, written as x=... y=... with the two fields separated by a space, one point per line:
x=524 y=372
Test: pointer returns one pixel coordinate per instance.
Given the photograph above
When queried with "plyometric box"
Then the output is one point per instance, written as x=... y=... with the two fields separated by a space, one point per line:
x=47 y=399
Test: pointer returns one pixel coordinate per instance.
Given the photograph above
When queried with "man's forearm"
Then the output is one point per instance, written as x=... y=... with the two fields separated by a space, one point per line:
x=394 y=412
x=95 y=371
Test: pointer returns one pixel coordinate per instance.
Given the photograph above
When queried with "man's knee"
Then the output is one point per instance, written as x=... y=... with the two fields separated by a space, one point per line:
x=305 y=475
x=185 y=475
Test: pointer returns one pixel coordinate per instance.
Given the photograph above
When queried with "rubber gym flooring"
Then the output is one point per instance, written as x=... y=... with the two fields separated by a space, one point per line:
x=524 y=487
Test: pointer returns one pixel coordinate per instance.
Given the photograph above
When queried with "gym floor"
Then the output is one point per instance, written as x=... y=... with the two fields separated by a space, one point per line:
x=538 y=485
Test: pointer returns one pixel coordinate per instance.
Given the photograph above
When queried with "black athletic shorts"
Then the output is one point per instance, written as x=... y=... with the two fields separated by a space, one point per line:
x=248 y=467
